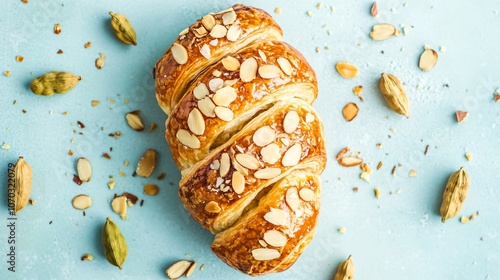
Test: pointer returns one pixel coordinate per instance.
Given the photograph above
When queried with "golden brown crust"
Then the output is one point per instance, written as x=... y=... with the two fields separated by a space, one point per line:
x=173 y=78
x=237 y=245
x=204 y=183
x=251 y=96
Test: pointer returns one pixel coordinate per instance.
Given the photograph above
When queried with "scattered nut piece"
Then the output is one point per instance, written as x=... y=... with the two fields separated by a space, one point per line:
x=119 y=205
x=81 y=202
x=95 y=103
x=382 y=31
x=99 y=62
x=84 y=169
x=461 y=116
x=348 y=161
x=350 y=111
x=365 y=176
x=134 y=120
x=146 y=164
x=277 y=10
x=191 y=269
x=57 y=28
x=152 y=127
x=6 y=73
x=464 y=220
x=412 y=173
x=151 y=189
x=111 y=184
x=496 y=96
x=374 y=10
x=377 y=193
x=428 y=60
x=19 y=58
x=347 y=70
x=342 y=230
x=178 y=269
x=87 y=257
x=468 y=156
x=357 y=90
x=87 y=45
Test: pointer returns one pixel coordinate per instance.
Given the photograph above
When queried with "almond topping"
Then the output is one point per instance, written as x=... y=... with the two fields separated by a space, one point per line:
x=224 y=113
x=228 y=18
x=269 y=71
x=119 y=205
x=292 y=155
x=225 y=164
x=264 y=136
x=309 y=118
x=350 y=111
x=81 y=202
x=233 y=33
x=196 y=123
x=218 y=31
x=267 y=173
x=212 y=207
x=215 y=84
x=178 y=269
x=84 y=169
x=183 y=32
x=350 y=161
x=461 y=116
x=271 y=153
x=382 y=31
x=285 y=66
x=248 y=70
x=263 y=56
x=231 y=63
x=207 y=107
x=428 y=60
x=275 y=238
x=200 y=91
x=291 y=122
x=187 y=139
x=134 y=120
x=276 y=216
x=179 y=53
x=208 y=22
x=292 y=198
x=264 y=254
x=238 y=182
x=248 y=161
x=205 y=51
x=347 y=70
x=306 y=194
x=224 y=96
x=200 y=32
x=146 y=164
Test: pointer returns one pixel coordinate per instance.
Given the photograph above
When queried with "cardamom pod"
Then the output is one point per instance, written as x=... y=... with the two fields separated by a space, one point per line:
x=115 y=246
x=394 y=94
x=454 y=194
x=345 y=271
x=22 y=184
x=54 y=82
x=123 y=29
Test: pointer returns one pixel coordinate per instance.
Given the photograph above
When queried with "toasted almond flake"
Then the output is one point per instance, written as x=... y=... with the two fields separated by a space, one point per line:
x=285 y=66
x=224 y=113
x=262 y=243
x=82 y=202
x=248 y=161
x=187 y=139
x=468 y=156
x=350 y=111
x=233 y=33
x=382 y=31
x=264 y=254
x=207 y=107
x=146 y=164
x=231 y=63
x=428 y=60
x=196 y=123
x=264 y=136
x=306 y=194
x=212 y=207
x=309 y=118
x=216 y=73
x=84 y=169
x=134 y=120
x=119 y=205
x=191 y=269
x=267 y=173
x=412 y=173
x=276 y=216
x=461 y=116
x=262 y=56
x=238 y=182
x=205 y=51
x=225 y=164
x=151 y=189
x=292 y=198
x=228 y=18
x=178 y=269
x=215 y=165
x=275 y=238
x=200 y=91
x=208 y=22
x=271 y=153
x=291 y=121
x=218 y=31
x=292 y=155
x=111 y=184
x=200 y=32
x=215 y=84
x=179 y=53
x=95 y=103
x=374 y=10
x=269 y=71
x=365 y=176
x=248 y=70
x=184 y=31
x=347 y=70
x=224 y=96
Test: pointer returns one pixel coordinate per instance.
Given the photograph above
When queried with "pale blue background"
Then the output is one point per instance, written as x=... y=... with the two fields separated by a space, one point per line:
x=396 y=237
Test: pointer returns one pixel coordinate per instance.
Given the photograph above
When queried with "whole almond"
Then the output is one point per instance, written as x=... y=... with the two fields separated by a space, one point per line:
x=345 y=271
x=394 y=94
x=454 y=194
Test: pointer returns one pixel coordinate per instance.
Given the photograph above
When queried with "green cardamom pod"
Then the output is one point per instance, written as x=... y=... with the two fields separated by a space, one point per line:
x=123 y=29
x=115 y=246
x=54 y=82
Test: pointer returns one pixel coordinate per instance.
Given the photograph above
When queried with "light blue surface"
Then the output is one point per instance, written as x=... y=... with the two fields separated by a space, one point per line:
x=399 y=236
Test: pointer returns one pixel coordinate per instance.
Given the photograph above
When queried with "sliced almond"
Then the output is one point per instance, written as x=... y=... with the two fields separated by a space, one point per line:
x=191 y=269
x=218 y=31
x=238 y=182
x=428 y=60
x=205 y=51
x=196 y=123
x=269 y=71
x=271 y=153
x=309 y=118
x=231 y=63
x=306 y=194
x=207 y=107
x=81 y=202
x=461 y=116
x=264 y=254
x=146 y=164
x=187 y=139
x=248 y=161
x=225 y=165
x=292 y=198
x=200 y=32
x=248 y=70
x=183 y=32
x=291 y=121
x=84 y=169
x=215 y=84
x=276 y=216
x=200 y=91
x=134 y=120
x=228 y=18
x=212 y=207
x=267 y=173
x=233 y=33
x=224 y=96
x=350 y=161
x=350 y=111
x=275 y=238
x=224 y=113
x=264 y=136
x=285 y=66
x=178 y=269
x=230 y=83
x=119 y=205
x=382 y=31
x=347 y=70
x=151 y=189
x=292 y=155
x=179 y=53
x=208 y=22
